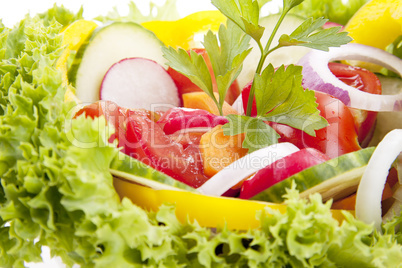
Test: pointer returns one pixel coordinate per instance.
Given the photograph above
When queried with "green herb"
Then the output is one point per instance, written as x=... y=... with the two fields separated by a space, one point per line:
x=226 y=55
x=280 y=97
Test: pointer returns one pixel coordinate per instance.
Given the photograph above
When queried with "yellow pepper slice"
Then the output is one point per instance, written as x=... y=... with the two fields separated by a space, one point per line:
x=74 y=36
x=181 y=33
x=208 y=211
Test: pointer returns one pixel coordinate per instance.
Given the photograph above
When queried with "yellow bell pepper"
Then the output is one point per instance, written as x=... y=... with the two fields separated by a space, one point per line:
x=74 y=36
x=208 y=211
x=181 y=33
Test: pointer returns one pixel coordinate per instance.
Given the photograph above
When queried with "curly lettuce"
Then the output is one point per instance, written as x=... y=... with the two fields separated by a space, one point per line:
x=335 y=10
x=56 y=190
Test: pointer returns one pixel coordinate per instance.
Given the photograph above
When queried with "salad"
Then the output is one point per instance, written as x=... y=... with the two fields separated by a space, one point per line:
x=224 y=138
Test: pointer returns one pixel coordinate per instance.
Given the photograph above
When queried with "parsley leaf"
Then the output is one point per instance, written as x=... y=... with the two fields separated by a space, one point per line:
x=226 y=59
x=244 y=13
x=258 y=134
x=305 y=35
x=288 y=102
x=191 y=65
x=280 y=98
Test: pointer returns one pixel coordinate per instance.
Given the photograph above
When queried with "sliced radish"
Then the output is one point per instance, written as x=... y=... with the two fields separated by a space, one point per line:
x=107 y=45
x=245 y=167
x=280 y=170
x=317 y=76
x=138 y=83
x=369 y=192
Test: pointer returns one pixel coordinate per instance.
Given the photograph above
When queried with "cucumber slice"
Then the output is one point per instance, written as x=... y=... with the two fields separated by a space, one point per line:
x=285 y=55
x=106 y=46
x=387 y=121
x=336 y=178
x=130 y=169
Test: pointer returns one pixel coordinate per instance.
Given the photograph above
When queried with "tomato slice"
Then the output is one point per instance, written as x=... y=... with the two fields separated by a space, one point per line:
x=338 y=138
x=176 y=119
x=366 y=81
x=114 y=115
x=147 y=142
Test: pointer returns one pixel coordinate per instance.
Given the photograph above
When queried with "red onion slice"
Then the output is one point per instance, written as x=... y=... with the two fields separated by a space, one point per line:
x=317 y=76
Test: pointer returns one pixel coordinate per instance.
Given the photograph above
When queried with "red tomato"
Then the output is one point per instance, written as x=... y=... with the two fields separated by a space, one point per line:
x=177 y=118
x=113 y=114
x=147 y=142
x=184 y=85
x=338 y=138
x=363 y=80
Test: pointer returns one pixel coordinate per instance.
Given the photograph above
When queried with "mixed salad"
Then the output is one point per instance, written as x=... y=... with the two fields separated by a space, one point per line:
x=224 y=138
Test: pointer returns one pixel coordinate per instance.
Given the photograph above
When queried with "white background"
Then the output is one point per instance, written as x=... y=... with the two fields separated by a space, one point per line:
x=12 y=11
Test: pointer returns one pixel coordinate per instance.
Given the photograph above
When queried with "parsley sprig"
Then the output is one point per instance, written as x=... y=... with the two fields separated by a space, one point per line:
x=279 y=94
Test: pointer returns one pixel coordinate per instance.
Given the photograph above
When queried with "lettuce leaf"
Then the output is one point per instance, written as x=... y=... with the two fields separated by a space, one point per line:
x=335 y=10
x=56 y=190
x=166 y=11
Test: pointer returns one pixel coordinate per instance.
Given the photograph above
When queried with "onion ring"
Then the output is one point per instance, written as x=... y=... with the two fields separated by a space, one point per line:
x=317 y=76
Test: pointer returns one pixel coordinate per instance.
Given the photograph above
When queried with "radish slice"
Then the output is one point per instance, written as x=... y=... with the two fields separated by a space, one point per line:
x=245 y=167
x=317 y=76
x=369 y=192
x=138 y=83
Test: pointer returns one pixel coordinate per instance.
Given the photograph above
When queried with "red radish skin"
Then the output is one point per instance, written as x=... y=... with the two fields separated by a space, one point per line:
x=280 y=170
x=138 y=83
x=330 y=24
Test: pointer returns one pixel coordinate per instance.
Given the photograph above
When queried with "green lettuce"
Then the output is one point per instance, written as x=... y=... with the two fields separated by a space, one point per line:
x=56 y=190
x=166 y=11
x=335 y=10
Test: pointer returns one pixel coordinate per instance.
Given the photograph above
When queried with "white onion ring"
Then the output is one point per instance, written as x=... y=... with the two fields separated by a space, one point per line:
x=369 y=192
x=244 y=167
x=317 y=76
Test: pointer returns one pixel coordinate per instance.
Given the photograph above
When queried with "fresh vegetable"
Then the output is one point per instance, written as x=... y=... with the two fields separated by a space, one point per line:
x=106 y=46
x=280 y=170
x=318 y=77
x=139 y=83
x=182 y=32
x=184 y=85
x=336 y=178
x=218 y=150
x=387 y=121
x=349 y=203
x=338 y=138
x=244 y=167
x=337 y=11
x=382 y=17
x=146 y=141
x=366 y=81
x=368 y=198
x=125 y=168
x=176 y=119
x=283 y=56
x=57 y=190
x=201 y=100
